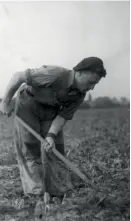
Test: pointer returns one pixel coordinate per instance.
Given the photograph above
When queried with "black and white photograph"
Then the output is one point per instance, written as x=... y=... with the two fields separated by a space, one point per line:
x=64 y=110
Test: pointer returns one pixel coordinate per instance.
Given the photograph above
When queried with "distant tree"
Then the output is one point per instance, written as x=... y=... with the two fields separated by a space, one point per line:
x=89 y=98
x=84 y=105
x=115 y=102
x=103 y=102
x=124 y=101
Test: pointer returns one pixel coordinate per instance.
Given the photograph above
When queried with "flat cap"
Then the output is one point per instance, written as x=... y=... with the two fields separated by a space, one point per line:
x=91 y=63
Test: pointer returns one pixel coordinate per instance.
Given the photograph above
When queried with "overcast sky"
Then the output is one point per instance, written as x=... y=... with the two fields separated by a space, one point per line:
x=63 y=33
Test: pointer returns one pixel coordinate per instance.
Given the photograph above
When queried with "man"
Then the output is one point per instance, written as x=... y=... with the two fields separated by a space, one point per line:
x=48 y=99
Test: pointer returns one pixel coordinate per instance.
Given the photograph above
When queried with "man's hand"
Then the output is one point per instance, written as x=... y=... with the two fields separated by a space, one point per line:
x=6 y=108
x=50 y=144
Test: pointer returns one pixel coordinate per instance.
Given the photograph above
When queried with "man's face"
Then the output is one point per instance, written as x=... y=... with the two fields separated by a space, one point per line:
x=86 y=80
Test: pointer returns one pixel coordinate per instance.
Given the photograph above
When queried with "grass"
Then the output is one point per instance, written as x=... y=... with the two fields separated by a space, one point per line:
x=99 y=144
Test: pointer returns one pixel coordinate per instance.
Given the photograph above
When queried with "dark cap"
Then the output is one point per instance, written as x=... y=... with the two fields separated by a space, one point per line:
x=93 y=64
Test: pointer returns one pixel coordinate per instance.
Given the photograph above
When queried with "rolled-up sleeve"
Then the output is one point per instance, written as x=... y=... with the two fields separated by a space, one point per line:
x=67 y=112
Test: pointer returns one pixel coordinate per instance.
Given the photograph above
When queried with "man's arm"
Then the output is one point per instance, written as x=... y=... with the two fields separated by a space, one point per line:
x=15 y=82
x=57 y=125
x=17 y=79
x=65 y=114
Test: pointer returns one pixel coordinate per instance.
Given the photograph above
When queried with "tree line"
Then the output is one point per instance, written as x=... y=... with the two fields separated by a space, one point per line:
x=105 y=102
x=101 y=102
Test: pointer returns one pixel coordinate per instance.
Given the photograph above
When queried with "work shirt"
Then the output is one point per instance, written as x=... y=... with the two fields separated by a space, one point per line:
x=53 y=85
